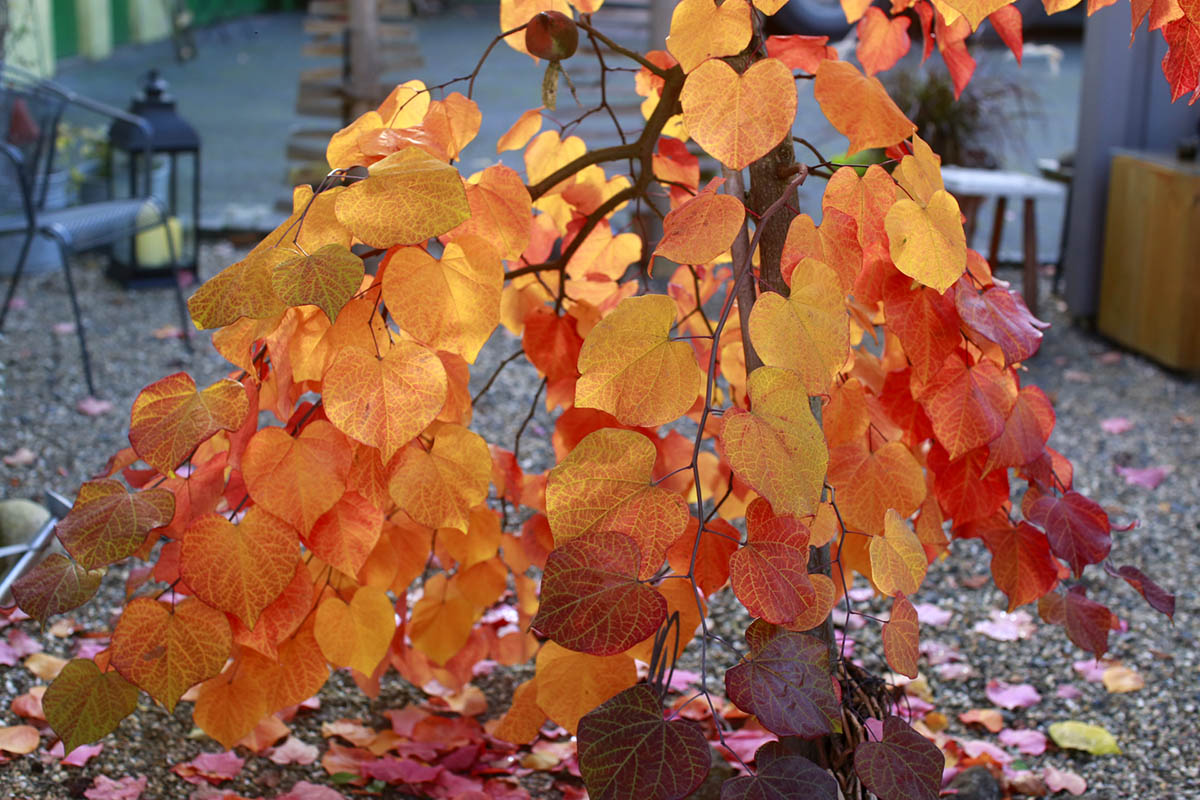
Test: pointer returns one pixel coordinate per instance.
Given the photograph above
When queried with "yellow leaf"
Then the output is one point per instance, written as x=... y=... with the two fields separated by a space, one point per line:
x=809 y=331
x=356 y=634
x=438 y=488
x=739 y=118
x=701 y=29
x=631 y=368
x=570 y=684
x=500 y=211
x=859 y=107
x=1082 y=736
x=524 y=129
x=928 y=244
x=450 y=304
x=921 y=173
x=408 y=197
x=897 y=559
x=976 y=11
x=777 y=448
x=1120 y=679
x=441 y=620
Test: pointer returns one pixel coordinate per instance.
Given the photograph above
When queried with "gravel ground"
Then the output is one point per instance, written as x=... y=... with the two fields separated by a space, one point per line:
x=41 y=383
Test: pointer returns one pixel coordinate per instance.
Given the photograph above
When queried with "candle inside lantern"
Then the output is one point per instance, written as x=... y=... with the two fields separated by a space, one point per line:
x=152 y=247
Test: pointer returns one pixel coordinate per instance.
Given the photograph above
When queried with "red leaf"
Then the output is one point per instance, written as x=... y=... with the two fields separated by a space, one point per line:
x=785 y=683
x=1078 y=528
x=963 y=490
x=627 y=749
x=903 y=766
x=718 y=542
x=1181 y=64
x=552 y=343
x=901 y=637
x=1087 y=622
x=1026 y=431
x=968 y=404
x=1022 y=565
x=592 y=601
x=1158 y=598
x=800 y=52
x=1006 y=21
x=959 y=64
x=1000 y=316
x=925 y=321
x=781 y=775
x=769 y=574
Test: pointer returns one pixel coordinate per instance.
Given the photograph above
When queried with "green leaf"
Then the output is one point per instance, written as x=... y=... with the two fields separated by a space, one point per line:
x=326 y=279
x=84 y=704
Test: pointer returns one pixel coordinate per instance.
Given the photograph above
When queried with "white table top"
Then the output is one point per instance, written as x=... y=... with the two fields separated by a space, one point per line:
x=995 y=182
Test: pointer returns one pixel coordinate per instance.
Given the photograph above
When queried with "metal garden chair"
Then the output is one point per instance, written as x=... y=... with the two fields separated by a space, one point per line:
x=30 y=112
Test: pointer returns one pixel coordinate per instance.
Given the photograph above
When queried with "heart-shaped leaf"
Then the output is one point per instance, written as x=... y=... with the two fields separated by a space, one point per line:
x=84 y=704
x=56 y=585
x=904 y=765
x=739 y=118
x=108 y=523
x=785 y=682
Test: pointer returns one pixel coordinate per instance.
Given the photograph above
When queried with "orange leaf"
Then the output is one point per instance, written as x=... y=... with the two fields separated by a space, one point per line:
x=817 y=605
x=900 y=637
x=441 y=620
x=897 y=559
x=523 y=719
x=409 y=196
x=777 y=447
x=524 y=129
x=571 y=684
x=165 y=651
x=170 y=418
x=717 y=543
x=229 y=706
x=739 y=118
x=297 y=479
x=605 y=485
x=552 y=343
x=108 y=523
x=384 y=401
x=452 y=123
x=868 y=484
x=701 y=29
x=807 y=332
x=800 y=52
x=280 y=618
x=300 y=672
x=548 y=152
x=439 y=487
x=356 y=634
x=881 y=41
x=968 y=404
x=928 y=244
x=769 y=574
x=702 y=228
x=500 y=211
x=449 y=304
x=1026 y=431
x=239 y=568
x=859 y=107
x=1022 y=565
x=344 y=535
x=631 y=368
x=327 y=279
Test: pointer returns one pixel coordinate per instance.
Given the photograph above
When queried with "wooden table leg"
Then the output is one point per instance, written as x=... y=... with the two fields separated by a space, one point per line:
x=1031 y=265
x=997 y=232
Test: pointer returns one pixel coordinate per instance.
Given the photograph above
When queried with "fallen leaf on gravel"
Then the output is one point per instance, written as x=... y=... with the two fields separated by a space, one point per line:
x=18 y=739
x=351 y=730
x=1110 y=357
x=1075 y=376
x=929 y=614
x=977 y=747
x=1083 y=736
x=210 y=767
x=45 y=666
x=1122 y=679
x=268 y=731
x=21 y=457
x=1012 y=695
x=168 y=332
x=954 y=672
x=1029 y=742
x=1068 y=691
x=1059 y=780
x=1006 y=627
x=22 y=643
x=63 y=328
x=1115 y=425
x=77 y=757
x=17 y=303
x=1146 y=477
x=293 y=751
x=1092 y=669
x=62 y=628
x=93 y=407
x=304 y=790
x=29 y=705
x=127 y=788
x=989 y=718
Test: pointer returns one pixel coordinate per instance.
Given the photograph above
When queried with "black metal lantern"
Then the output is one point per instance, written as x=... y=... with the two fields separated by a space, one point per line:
x=166 y=167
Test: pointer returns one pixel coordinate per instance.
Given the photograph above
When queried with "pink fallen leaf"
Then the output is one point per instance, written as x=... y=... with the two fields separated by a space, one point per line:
x=1058 y=780
x=293 y=751
x=18 y=739
x=400 y=770
x=1029 y=742
x=744 y=742
x=1115 y=425
x=1108 y=357
x=1006 y=627
x=93 y=407
x=1146 y=477
x=929 y=614
x=21 y=457
x=211 y=767
x=168 y=332
x=976 y=747
x=8 y=656
x=303 y=790
x=17 y=303
x=683 y=679
x=77 y=757
x=29 y=705
x=63 y=328
x=954 y=672
x=1075 y=376
x=1092 y=669
x=989 y=718
x=1012 y=695
x=127 y=788
x=22 y=643
x=874 y=728
x=1068 y=691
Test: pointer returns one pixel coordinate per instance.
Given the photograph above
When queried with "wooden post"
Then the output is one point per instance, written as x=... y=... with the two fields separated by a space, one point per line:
x=363 y=57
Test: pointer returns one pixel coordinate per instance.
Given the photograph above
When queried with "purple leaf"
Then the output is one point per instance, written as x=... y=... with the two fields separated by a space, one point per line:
x=1078 y=528
x=1031 y=743
x=1158 y=598
x=1115 y=425
x=781 y=776
x=785 y=683
x=903 y=766
x=1000 y=316
x=127 y=788
x=1012 y=695
x=1146 y=477
x=627 y=749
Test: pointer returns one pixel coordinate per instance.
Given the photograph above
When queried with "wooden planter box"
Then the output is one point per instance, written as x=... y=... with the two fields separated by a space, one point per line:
x=1150 y=284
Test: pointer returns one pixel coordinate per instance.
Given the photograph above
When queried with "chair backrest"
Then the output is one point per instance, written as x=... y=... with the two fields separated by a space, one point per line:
x=29 y=118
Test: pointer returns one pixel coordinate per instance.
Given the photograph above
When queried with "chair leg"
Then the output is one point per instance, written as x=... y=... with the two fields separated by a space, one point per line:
x=997 y=232
x=87 y=361
x=1031 y=265
x=16 y=277
x=185 y=320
